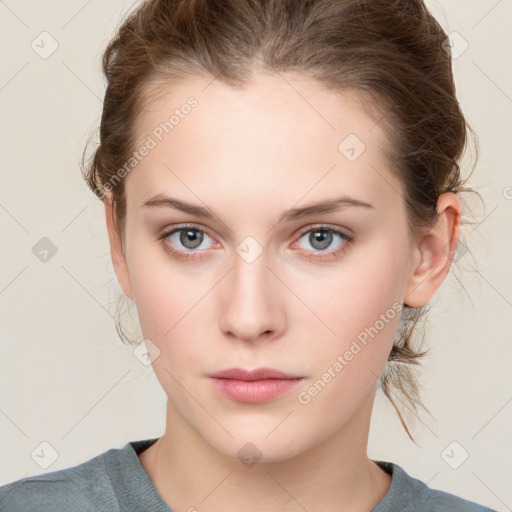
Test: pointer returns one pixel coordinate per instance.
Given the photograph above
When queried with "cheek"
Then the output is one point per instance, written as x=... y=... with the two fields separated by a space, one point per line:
x=364 y=288
x=159 y=286
x=347 y=366
x=171 y=307
x=357 y=300
x=171 y=319
x=361 y=305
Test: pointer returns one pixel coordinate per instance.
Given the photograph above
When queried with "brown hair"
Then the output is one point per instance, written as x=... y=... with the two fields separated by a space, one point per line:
x=390 y=53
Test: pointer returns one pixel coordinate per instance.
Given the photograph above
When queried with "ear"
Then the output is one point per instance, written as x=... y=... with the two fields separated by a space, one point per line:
x=434 y=253
x=116 y=249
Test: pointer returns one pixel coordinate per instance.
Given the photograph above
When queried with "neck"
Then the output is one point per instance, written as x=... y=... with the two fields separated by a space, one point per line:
x=335 y=474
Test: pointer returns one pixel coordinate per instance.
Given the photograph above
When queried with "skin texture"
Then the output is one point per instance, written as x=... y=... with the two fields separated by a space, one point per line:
x=248 y=155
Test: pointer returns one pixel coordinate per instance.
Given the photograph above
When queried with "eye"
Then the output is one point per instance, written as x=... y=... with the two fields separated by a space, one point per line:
x=322 y=237
x=187 y=238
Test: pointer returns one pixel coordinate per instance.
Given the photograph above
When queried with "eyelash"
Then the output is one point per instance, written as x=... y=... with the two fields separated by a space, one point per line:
x=186 y=255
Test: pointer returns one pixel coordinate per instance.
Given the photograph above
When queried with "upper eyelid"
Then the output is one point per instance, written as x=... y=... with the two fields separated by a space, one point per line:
x=326 y=227
x=175 y=229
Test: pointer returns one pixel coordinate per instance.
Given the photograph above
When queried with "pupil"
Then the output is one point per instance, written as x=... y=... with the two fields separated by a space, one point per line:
x=190 y=238
x=323 y=237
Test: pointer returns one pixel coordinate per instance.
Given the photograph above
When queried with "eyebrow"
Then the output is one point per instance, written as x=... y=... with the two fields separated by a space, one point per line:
x=326 y=206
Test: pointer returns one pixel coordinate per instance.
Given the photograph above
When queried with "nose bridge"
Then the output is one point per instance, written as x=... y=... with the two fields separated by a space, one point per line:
x=250 y=278
x=250 y=306
x=250 y=273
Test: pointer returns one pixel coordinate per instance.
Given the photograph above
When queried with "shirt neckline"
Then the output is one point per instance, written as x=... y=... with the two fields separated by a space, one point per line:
x=125 y=468
x=134 y=489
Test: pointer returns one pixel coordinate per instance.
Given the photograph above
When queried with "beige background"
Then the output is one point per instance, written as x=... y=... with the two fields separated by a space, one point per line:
x=66 y=379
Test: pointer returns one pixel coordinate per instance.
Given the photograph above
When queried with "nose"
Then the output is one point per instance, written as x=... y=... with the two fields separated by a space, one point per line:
x=252 y=301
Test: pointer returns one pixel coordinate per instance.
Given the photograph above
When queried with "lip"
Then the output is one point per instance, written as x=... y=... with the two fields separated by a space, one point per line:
x=253 y=386
x=256 y=374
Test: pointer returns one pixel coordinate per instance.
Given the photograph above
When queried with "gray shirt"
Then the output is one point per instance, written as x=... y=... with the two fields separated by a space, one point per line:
x=115 y=481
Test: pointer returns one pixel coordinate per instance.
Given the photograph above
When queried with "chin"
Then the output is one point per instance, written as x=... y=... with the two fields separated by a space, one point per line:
x=254 y=448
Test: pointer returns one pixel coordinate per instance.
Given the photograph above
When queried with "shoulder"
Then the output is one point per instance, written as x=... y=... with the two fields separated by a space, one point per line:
x=409 y=494
x=84 y=487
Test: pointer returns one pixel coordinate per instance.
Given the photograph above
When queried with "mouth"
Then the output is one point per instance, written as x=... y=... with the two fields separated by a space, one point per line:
x=253 y=386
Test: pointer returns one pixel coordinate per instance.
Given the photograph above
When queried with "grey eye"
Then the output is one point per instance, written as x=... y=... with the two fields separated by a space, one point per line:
x=320 y=239
x=189 y=238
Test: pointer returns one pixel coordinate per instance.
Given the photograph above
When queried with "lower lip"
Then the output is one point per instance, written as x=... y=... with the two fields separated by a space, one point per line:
x=255 y=391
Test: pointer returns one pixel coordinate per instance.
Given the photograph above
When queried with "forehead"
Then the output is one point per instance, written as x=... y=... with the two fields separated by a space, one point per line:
x=281 y=131
x=271 y=101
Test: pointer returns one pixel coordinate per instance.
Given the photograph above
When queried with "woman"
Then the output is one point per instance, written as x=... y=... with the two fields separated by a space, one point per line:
x=280 y=181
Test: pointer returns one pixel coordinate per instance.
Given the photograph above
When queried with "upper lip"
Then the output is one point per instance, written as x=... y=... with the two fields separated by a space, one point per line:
x=257 y=374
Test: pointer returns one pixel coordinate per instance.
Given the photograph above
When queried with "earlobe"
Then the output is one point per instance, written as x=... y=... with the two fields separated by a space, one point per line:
x=435 y=252
x=116 y=249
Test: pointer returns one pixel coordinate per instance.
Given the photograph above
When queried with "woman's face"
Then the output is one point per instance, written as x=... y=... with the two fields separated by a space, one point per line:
x=260 y=282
